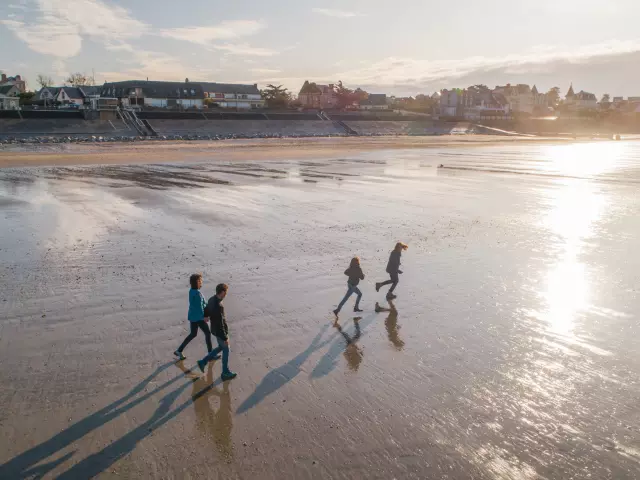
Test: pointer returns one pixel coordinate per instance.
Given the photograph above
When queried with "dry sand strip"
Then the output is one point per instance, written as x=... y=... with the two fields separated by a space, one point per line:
x=258 y=149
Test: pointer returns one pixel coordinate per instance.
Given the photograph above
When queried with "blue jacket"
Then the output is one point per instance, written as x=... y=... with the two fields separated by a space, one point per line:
x=197 y=305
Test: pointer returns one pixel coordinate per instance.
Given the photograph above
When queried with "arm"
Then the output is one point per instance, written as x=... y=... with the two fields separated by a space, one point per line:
x=361 y=275
x=218 y=324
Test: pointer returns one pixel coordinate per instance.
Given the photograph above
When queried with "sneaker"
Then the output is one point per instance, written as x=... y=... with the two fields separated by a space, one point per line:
x=228 y=376
x=391 y=296
x=179 y=355
x=336 y=312
x=377 y=287
x=378 y=308
x=357 y=309
x=201 y=365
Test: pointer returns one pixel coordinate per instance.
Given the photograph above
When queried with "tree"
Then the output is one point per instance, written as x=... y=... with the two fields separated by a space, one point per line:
x=26 y=98
x=276 y=96
x=344 y=95
x=606 y=98
x=79 y=80
x=44 y=80
x=553 y=96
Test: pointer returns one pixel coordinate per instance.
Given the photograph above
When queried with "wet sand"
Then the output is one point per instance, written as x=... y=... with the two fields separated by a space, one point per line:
x=21 y=155
x=511 y=353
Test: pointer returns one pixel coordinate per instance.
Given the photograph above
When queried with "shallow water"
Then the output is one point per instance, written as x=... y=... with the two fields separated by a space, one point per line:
x=512 y=351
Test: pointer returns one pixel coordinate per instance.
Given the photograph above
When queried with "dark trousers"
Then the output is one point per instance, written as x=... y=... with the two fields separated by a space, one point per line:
x=202 y=325
x=393 y=282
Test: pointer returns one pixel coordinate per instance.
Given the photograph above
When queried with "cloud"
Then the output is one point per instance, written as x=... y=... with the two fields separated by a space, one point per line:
x=264 y=71
x=330 y=12
x=59 y=26
x=407 y=72
x=227 y=30
x=246 y=50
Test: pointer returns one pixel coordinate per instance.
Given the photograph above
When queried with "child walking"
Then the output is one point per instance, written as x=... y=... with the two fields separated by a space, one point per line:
x=195 y=316
x=354 y=272
x=393 y=269
x=215 y=310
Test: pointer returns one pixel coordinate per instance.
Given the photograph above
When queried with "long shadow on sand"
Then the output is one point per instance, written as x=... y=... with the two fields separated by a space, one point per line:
x=279 y=377
x=347 y=346
x=26 y=465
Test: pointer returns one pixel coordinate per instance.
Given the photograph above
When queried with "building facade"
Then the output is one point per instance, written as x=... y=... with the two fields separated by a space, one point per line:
x=580 y=101
x=155 y=94
x=312 y=95
x=19 y=83
x=375 y=101
x=227 y=95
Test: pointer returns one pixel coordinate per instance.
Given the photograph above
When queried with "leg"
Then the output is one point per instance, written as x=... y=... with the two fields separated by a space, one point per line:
x=191 y=336
x=394 y=283
x=346 y=297
x=359 y=294
x=207 y=334
x=222 y=345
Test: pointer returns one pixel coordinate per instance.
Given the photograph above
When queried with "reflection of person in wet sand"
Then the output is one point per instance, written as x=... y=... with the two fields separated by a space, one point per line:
x=391 y=324
x=354 y=272
x=393 y=269
x=352 y=353
x=213 y=424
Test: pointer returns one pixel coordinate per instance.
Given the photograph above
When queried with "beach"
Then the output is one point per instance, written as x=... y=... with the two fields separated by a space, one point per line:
x=510 y=353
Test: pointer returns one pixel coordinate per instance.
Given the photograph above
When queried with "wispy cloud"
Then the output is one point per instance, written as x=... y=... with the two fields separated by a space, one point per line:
x=246 y=50
x=264 y=71
x=227 y=30
x=58 y=26
x=399 y=71
x=330 y=12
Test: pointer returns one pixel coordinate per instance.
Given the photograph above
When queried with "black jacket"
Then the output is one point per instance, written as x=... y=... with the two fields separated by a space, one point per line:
x=394 y=262
x=355 y=275
x=215 y=311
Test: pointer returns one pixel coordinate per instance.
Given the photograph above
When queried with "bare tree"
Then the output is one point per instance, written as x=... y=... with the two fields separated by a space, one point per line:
x=44 y=80
x=79 y=80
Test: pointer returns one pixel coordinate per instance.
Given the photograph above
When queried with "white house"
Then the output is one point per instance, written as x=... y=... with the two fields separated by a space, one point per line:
x=452 y=102
x=70 y=96
x=144 y=93
x=520 y=97
x=228 y=95
x=580 y=101
x=375 y=101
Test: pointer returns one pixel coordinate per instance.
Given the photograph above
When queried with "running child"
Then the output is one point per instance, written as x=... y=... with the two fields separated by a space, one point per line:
x=393 y=269
x=354 y=272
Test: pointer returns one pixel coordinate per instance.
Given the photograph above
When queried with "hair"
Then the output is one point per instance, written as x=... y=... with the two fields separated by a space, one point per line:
x=193 y=279
x=401 y=246
x=221 y=287
x=355 y=261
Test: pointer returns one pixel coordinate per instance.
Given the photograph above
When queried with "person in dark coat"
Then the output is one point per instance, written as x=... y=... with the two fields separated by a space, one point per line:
x=393 y=269
x=354 y=272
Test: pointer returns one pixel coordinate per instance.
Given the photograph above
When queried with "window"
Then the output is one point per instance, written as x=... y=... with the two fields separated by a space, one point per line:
x=193 y=92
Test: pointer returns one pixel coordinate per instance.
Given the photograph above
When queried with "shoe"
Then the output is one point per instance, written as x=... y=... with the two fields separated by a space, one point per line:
x=179 y=355
x=357 y=309
x=201 y=365
x=377 y=287
x=336 y=312
x=378 y=309
x=391 y=296
x=228 y=376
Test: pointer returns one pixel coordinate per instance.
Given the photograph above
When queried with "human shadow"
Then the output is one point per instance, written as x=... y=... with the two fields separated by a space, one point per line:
x=25 y=465
x=105 y=458
x=391 y=324
x=354 y=355
x=216 y=425
x=277 y=378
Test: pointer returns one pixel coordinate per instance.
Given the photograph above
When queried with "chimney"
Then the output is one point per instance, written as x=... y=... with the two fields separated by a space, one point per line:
x=255 y=85
x=4 y=78
x=18 y=78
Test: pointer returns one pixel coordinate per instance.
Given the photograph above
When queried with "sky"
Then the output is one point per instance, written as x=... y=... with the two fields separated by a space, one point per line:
x=403 y=47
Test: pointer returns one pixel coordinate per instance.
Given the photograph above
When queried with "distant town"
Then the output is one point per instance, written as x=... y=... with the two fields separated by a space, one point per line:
x=475 y=102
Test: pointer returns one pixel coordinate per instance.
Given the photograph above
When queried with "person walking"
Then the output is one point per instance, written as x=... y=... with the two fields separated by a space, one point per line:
x=354 y=272
x=393 y=269
x=195 y=316
x=219 y=328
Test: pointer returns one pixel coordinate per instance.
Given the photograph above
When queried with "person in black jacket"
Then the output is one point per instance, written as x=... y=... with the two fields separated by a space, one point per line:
x=393 y=269
x=354 y=272
x=215 y=311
